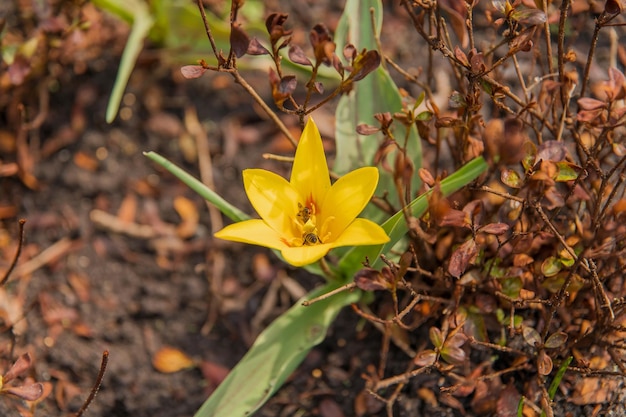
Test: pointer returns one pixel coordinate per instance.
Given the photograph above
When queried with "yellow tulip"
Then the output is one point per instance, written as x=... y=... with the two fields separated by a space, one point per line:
x=305 y=217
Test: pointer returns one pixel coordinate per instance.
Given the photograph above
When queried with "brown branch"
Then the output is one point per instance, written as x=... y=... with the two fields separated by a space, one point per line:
x=96 y=386
x=20 y=244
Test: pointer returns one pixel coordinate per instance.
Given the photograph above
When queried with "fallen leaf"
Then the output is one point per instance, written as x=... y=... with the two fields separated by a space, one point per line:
x=186 y=209
x=168 y=360
x=86 y=162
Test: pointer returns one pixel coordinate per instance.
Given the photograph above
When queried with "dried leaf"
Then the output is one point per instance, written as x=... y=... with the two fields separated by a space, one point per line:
x=426 y=177
x=296 y=55
x=495 y=228
x=274 y=24
x=613 y=6
x=330 y=408
x=20 y=366
x=128 y=209
x=188 y=212
x=191 y=72
x=461 y=258
x=544 y=363
x=460 y=55
x=239 y=40
x=369 y=279
x=349 y=52
x=319 y=87
x=364 y=64
x=323 y=46
x=556 y=340
x=86 y=162
x=531 y=336
x=522 y=259
x=508 y=401
x=168 y=360
x=30 y=392
x=425 y=358
x=551 y=150
x=365 y=129
x=213 y=372
x=255 y=48
x=588 y=103
x=442 y=213
x=457 y=12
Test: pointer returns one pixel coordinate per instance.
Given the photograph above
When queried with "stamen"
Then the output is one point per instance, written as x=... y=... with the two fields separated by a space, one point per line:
x=325 y=233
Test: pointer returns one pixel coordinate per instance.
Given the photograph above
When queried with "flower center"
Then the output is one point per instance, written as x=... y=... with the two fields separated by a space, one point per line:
x=307 y=233
x=305 y=224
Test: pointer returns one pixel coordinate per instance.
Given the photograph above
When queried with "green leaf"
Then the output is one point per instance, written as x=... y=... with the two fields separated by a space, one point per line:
x=376 y=93
x=558 y=377
x=567 y=171
x=436 y=337
x=396 y=226
x=278 y=350
x=551 y=266
x=511 y=178
x=511 y=286
x=205 y=192
x=139 y=13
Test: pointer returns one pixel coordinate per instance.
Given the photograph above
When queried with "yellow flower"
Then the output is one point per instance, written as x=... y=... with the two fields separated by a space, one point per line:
x=307 y=216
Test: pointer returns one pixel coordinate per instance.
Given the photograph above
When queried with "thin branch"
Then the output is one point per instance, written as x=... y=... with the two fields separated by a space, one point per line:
x=241 y=81
x=96 y=386
x=207 y=28
x=20 y=244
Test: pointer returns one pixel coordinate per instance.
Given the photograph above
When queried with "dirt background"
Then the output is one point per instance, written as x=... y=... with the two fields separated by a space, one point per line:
x=109 y=262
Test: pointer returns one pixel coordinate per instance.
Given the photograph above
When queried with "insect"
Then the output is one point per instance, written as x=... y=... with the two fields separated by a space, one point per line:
x=310 y=238
x=304 y=213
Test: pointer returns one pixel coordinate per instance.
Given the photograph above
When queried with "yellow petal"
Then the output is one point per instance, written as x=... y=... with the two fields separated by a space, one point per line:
x=273 y=198
x=348 y=197
x=255 y=232
x=309 y=174
x=361 y=232
x=304 y=255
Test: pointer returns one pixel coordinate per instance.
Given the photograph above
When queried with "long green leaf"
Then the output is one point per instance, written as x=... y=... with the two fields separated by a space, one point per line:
x=376 y=93
x=205 y=192
x=396 y=226
x=278 y=350
x=138 y=12
x=554 y=385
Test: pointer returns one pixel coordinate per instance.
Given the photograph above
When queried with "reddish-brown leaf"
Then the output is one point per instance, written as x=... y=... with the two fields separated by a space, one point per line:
x=364 y=64
x=239 y=40
x=461 y=258
x=20 y=366
x=192 y=71
x=255 y=48
x=27 y=392
x=369 y=279
x=544 y=363
x=296 y=55
x=495 y=228
x=365 y=129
